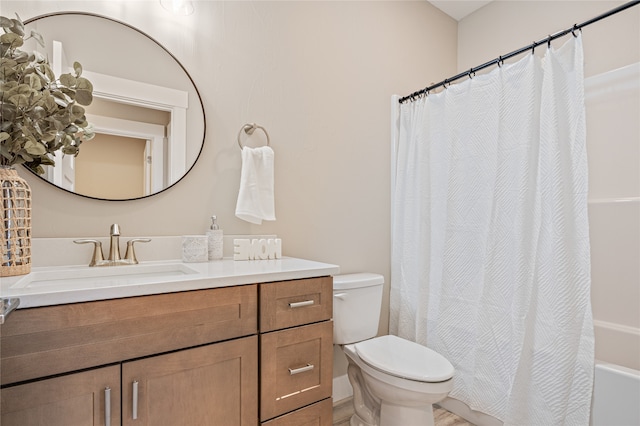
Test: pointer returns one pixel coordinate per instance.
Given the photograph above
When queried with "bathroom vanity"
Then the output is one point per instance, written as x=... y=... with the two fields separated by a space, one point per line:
x=234 y=343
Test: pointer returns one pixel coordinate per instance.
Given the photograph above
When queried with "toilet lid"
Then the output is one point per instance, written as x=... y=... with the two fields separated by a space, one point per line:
x=403 y=358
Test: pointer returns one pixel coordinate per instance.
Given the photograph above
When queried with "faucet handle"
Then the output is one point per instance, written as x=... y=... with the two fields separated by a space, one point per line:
x=97 y=257
x=130 y=254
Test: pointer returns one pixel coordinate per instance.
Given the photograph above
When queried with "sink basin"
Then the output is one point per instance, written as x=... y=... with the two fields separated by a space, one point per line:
x=104 y=276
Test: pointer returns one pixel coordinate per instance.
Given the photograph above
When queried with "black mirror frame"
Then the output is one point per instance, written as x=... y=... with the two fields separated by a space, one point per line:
x=204 y=118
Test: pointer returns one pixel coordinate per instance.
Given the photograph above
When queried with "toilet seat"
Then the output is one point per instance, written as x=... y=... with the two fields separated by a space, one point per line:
x=405 y=359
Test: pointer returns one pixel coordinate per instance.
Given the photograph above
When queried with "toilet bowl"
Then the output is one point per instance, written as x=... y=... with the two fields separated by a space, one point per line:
x=395 y=381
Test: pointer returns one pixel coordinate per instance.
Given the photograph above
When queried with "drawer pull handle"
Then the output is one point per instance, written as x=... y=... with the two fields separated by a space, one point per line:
x=134 y=404
x=107 y=406
x=294 y=305
x=307 y=367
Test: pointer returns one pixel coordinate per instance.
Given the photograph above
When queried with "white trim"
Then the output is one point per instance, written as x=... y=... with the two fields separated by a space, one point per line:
x=614 y=200
x=341 y=388
x=617 y=327
x=612 y=82
x=59 y=57
x=395 y=135
x=474 y=417
x=136 y=92
x=177 y=146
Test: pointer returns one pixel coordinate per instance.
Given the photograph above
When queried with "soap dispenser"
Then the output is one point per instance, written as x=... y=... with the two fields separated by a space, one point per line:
x=214 y=239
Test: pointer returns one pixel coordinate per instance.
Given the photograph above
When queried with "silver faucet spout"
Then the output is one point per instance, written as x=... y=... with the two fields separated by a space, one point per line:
x=114 y=248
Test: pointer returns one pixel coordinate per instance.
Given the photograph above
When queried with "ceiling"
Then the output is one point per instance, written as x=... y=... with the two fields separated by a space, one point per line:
x=458 y=9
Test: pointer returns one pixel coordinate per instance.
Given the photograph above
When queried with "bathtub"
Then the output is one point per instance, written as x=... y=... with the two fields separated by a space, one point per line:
x=616 y=396
x=615 y=399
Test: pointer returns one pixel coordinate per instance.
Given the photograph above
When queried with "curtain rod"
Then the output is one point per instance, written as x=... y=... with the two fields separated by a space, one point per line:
x=500 y=59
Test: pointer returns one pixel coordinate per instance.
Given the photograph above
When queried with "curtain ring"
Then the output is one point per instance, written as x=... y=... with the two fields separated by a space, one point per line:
x=445 y=83
x=471 y=73
x=500 y=62
x=533 y=48
x=573 y=30
x=549 y=42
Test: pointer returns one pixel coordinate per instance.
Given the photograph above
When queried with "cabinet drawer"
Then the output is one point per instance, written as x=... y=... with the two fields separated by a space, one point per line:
x=318 y=414
x=296 y=368
x=291 y=303
x=40 y=342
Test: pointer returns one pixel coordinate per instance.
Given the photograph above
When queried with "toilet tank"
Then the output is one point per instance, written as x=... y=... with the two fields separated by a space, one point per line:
x=357 y=300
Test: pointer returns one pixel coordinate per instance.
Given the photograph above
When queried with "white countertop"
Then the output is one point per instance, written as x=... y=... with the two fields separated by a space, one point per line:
x=124 y=281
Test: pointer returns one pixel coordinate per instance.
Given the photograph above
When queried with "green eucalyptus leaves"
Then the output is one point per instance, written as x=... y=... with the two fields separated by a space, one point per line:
x=39 y=114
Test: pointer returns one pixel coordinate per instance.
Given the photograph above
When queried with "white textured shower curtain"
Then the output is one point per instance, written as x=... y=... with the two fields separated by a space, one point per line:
x=490 y=245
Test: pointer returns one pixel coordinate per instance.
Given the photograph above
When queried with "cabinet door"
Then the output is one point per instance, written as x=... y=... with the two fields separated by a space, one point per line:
x=76 y=399
x=207 y=385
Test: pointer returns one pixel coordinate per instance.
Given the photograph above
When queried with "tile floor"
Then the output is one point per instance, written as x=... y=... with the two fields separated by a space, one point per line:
x=343 y=410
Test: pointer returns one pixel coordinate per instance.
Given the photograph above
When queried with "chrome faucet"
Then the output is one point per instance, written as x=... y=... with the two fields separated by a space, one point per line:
x=97 y=259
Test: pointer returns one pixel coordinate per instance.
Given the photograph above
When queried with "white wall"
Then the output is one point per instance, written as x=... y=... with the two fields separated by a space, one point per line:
x=613 y=144
x=319 y=77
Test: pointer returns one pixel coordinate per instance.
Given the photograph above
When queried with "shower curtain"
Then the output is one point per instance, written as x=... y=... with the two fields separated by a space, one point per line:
x=490 y=245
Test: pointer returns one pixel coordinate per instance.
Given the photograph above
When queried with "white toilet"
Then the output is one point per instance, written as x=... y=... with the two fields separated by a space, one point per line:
x=395 y=381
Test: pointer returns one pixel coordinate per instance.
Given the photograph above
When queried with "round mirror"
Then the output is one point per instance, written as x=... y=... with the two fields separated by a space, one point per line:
x=146 y=111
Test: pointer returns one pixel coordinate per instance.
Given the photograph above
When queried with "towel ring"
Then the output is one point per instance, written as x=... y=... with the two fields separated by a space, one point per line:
x=249 y=129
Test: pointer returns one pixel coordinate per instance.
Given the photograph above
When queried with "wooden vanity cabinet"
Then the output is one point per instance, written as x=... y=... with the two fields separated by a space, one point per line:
x=296 y=352
x=194 y=356
x=200 y=357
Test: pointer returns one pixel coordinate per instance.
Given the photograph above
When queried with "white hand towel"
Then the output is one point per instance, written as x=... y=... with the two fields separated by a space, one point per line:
x=255 y=198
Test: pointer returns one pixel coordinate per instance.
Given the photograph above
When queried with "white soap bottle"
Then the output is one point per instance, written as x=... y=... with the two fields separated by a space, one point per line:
x=214 y=240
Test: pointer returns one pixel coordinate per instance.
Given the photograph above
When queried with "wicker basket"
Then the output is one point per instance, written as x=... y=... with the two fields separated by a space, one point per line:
x=15 y=223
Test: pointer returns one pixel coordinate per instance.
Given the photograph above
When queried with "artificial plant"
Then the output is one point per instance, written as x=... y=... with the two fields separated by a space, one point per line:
x=39 y=113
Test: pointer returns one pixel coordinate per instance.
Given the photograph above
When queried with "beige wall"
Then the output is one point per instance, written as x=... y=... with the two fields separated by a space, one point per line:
x=110 y=166
x=613 y=144
x=319 y=77
x=504 y=26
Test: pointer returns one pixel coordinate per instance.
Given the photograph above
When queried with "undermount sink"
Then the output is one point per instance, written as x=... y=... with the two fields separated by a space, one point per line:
x=107 y=276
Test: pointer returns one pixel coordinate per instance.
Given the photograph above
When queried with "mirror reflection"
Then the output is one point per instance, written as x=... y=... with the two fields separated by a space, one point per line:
x=147 y=113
